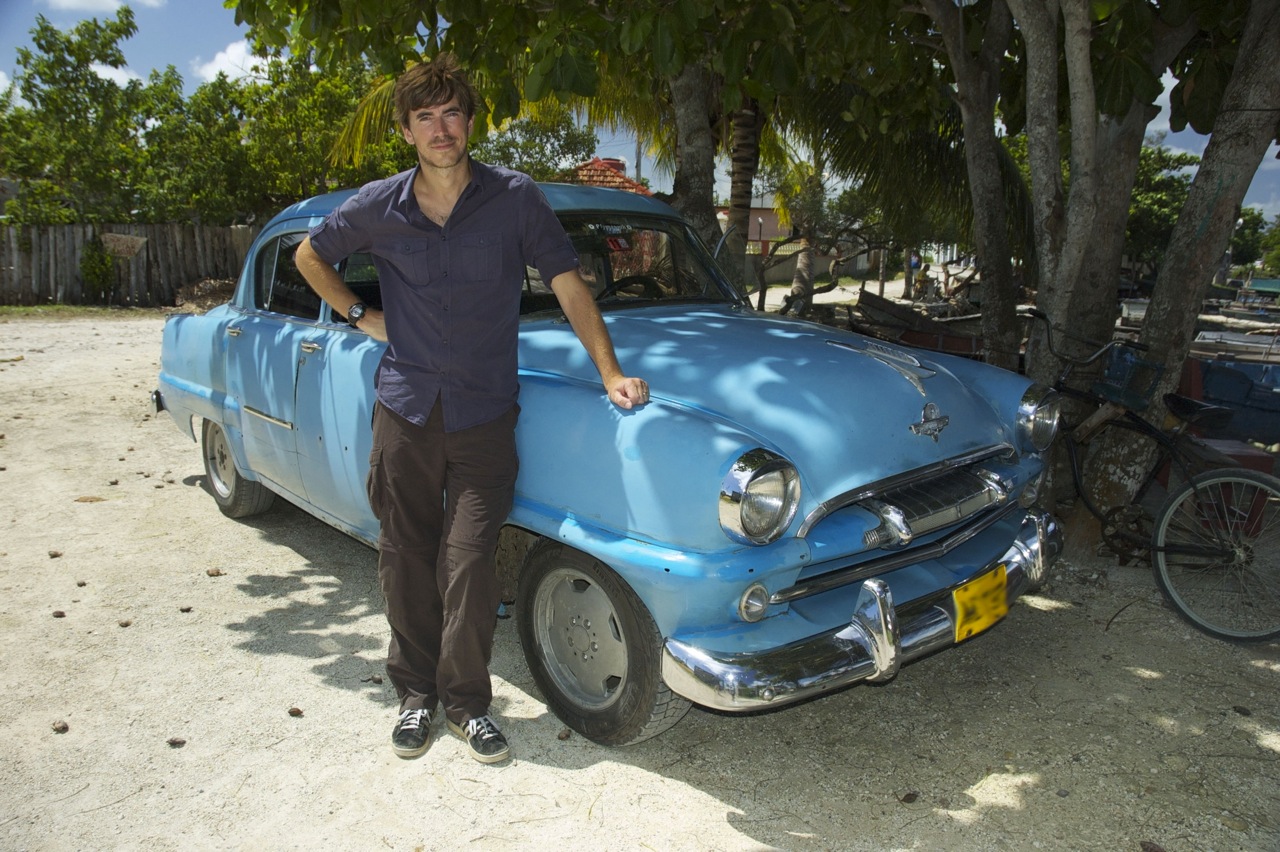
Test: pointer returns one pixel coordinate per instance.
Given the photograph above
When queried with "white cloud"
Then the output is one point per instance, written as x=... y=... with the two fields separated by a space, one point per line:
x=119 y=76
x=1160 y=124
x=98 y=5
x=4 y=81
x=235 y=61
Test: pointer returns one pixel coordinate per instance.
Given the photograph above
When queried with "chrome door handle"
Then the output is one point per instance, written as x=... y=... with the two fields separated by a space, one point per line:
x=311 y=347
x=233 y=331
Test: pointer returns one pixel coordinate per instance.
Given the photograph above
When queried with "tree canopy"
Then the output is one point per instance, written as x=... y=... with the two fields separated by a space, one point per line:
x=83 y=148
x=79 y=134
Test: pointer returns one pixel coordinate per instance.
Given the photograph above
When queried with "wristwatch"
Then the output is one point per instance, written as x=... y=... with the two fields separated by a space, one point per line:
x=356 y=313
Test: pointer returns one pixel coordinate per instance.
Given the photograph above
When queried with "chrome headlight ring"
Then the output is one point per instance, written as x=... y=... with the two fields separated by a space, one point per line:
x=759 y=497
x=1038 y=418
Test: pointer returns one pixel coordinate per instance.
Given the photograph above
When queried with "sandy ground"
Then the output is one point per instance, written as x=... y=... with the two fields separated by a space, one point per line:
x=174 y=679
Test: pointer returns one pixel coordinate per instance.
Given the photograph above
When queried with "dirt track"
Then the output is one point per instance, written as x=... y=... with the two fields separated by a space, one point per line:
x=1090 y=719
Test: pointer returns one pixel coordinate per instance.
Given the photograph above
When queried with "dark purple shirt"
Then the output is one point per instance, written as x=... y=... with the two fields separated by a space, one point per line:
x=451 y=294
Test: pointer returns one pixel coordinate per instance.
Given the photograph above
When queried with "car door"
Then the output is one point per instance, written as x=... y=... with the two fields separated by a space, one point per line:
x=264 y=347
x=335 y=410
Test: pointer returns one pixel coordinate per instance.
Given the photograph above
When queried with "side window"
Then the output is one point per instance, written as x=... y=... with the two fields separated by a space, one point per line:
x=279 y=287
x=536 y=295
x=264 y=274
x=291 y=294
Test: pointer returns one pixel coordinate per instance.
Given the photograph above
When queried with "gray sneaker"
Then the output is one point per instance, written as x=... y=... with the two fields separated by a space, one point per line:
x=487 y=743
x=412 y=734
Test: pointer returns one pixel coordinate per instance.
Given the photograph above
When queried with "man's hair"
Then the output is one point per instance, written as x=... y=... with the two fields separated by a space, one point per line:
x=430 y=84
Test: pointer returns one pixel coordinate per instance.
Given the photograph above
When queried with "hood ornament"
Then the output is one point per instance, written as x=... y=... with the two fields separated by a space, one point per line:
x=903 y=363
x=932 y=422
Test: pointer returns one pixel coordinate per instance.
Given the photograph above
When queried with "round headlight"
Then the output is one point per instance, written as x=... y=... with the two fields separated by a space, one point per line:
x=1038 y=417
x=759 y=497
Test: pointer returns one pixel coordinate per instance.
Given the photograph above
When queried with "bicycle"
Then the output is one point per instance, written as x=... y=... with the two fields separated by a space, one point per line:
x=1214 y=542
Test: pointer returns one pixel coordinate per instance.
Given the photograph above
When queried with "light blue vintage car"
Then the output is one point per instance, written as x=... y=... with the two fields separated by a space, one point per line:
x=799 y=508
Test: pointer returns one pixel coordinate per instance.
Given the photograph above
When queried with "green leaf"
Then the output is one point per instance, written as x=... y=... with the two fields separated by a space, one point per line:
x=577 y=75
x=733 y=58
x=664 y=46
x=537 y=84
x=635 y=32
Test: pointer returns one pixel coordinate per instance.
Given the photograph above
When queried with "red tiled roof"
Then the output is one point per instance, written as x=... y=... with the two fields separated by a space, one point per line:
x=596 y=172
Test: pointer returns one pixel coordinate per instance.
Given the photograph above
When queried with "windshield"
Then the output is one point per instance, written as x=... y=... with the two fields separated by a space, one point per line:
x=632 y=261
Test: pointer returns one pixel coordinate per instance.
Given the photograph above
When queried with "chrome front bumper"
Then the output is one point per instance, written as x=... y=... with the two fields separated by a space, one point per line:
x=872 y=646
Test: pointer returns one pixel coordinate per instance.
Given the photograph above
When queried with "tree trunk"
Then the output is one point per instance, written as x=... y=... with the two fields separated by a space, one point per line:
x=1092 y=301
x=1092 y=304
x=693 y=185
x=977 y=88
x=748 y=123
x=1245 y=126
x=1242 y=132
x=1062 y=222
x=802 y=280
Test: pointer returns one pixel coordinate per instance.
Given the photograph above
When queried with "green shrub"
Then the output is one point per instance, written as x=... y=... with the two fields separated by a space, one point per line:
x=97 y=270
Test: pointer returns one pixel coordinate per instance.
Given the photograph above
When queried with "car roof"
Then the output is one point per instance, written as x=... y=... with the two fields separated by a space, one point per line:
x=564 y=198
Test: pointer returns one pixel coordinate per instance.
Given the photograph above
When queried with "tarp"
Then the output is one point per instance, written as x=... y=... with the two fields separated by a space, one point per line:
x=1265 y=285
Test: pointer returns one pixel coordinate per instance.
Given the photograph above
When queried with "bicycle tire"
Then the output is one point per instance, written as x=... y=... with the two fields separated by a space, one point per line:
x=1216 y=553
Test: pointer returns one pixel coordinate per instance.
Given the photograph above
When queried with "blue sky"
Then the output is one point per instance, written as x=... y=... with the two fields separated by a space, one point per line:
x=200 y=38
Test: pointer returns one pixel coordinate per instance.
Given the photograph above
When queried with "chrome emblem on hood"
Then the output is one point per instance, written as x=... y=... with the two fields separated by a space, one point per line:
x=932 y=422
x=903 y=363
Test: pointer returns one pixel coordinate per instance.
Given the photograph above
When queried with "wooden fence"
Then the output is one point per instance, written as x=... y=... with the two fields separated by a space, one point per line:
x=40 y=264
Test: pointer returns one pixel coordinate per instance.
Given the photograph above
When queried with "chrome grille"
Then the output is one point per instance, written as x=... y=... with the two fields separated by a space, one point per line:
x=921 y=507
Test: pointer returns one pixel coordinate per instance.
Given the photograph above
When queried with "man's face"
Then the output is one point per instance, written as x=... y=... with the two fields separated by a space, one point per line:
x=439 y=134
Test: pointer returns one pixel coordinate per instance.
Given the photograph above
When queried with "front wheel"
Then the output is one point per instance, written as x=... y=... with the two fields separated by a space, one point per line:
x=593 y=648
x=236 y=496
x=1216 y=553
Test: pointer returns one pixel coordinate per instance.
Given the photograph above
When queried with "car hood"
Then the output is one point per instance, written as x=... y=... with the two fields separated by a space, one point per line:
x=846 y=409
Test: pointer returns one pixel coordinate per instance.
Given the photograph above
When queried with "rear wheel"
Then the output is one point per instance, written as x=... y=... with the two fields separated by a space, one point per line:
x=1216 y=553
x=236 y=496
x=593 y=648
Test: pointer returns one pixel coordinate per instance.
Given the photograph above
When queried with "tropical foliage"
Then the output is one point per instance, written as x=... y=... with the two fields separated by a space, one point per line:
x=82 y=147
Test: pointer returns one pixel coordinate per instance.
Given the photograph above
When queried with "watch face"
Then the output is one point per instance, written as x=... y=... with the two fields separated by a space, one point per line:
x=356 y=312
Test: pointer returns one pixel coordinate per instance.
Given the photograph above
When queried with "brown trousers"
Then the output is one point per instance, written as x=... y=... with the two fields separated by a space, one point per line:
x=441 y=498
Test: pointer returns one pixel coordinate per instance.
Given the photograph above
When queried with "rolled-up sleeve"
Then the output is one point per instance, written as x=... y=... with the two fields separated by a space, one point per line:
x=545 y=242
x=345 y=231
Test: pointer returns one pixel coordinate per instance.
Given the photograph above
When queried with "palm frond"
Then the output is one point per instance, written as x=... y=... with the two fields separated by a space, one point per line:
x=367 y=126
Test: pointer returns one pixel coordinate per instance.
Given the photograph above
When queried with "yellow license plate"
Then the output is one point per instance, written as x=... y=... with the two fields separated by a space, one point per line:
x=980 y=603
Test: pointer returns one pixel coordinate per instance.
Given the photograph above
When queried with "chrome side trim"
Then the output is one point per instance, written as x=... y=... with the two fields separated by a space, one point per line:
x=885 y=564
x=875 y=643
x=267 y=417
x=872 y=489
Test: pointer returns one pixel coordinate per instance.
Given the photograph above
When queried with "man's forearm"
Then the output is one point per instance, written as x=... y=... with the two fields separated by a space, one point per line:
x=324 y=279
x=584 y=317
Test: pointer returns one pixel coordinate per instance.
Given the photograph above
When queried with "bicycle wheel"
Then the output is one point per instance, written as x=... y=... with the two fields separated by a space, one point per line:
x=1216 y=553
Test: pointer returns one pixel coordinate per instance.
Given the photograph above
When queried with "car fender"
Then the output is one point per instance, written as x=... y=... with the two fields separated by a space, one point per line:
x=192 y=380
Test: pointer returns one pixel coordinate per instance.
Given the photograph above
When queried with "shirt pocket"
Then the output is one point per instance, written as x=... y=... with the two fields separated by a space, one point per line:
x=479 y=256
x=413 y=259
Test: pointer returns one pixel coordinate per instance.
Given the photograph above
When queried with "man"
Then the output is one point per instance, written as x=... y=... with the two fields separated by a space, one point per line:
x=451 y=239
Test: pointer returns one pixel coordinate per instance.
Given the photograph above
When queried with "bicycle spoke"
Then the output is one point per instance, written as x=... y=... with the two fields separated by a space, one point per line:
x=1217 y=554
